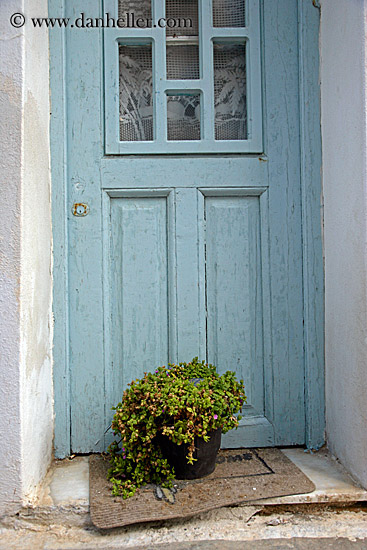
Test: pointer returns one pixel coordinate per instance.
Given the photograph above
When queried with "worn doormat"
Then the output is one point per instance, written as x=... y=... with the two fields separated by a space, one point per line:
x=241 y=475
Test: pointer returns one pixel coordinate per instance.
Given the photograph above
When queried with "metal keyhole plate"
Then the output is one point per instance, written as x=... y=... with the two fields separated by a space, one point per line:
x=80 y=209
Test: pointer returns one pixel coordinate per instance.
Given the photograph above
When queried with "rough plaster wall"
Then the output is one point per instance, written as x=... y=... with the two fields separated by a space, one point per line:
x=26 y=409
x=343 y=104
x=36 y=319
x=11 y=81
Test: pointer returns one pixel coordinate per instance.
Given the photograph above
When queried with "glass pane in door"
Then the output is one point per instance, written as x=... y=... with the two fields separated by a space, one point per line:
x=136 y=93
x=183 y=117
x=229 y=13
x=182 y=62
x=135 y=9
x=230 y=103
x=182 y=18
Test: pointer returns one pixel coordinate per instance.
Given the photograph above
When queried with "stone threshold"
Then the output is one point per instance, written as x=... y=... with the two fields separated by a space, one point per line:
x=64 y=496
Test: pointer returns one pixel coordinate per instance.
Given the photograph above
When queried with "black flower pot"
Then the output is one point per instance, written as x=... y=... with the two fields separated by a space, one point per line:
x=205 y=453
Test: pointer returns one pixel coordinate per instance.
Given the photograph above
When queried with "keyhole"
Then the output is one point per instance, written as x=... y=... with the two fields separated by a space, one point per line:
x=80 y=209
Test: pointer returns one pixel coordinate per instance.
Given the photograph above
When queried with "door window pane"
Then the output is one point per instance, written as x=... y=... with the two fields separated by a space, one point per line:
x=135 y=8
x=136 y=93
x=183 y=117
x=230 y=91
x=182 y=18
x=182 y=62
x=229 y=13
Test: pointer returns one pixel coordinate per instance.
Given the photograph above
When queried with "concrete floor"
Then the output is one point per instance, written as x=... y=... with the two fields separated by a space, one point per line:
x=239 y=528
x=60 y=521
x=272 y=544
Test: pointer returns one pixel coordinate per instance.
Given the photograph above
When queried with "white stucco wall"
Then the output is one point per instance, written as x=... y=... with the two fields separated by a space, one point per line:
x=343 y=105
x=11 y=82
x=36 y=238
x=26 y=408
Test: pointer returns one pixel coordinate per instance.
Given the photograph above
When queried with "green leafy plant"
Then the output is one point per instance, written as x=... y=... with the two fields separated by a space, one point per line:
x=180 y=401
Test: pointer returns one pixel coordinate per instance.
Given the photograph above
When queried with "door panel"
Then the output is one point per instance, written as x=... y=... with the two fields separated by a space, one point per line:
x=139 y=265
x=184 y=253
x=237 y=299
x=234 y=301
x=190 y=333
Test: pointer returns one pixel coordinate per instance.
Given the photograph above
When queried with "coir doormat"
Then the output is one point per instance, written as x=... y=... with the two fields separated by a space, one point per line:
x=241 y=475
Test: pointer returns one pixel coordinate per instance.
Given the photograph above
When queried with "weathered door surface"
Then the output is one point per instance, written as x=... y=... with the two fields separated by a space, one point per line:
x=183 y=154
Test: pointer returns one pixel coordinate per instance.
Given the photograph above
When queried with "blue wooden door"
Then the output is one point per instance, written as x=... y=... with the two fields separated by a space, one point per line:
x=184 y=209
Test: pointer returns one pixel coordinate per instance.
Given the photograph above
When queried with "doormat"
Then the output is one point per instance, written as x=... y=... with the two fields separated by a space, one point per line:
x=241 y=475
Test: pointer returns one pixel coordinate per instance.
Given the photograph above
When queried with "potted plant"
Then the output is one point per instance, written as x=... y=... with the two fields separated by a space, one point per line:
x=171 y=420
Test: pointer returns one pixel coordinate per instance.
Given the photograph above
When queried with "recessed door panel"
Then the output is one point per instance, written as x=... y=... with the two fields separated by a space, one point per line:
x=139 y=293
x=234 y=291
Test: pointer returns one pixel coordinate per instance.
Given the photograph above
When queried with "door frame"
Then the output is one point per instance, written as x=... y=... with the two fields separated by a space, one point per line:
x=312 y=254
